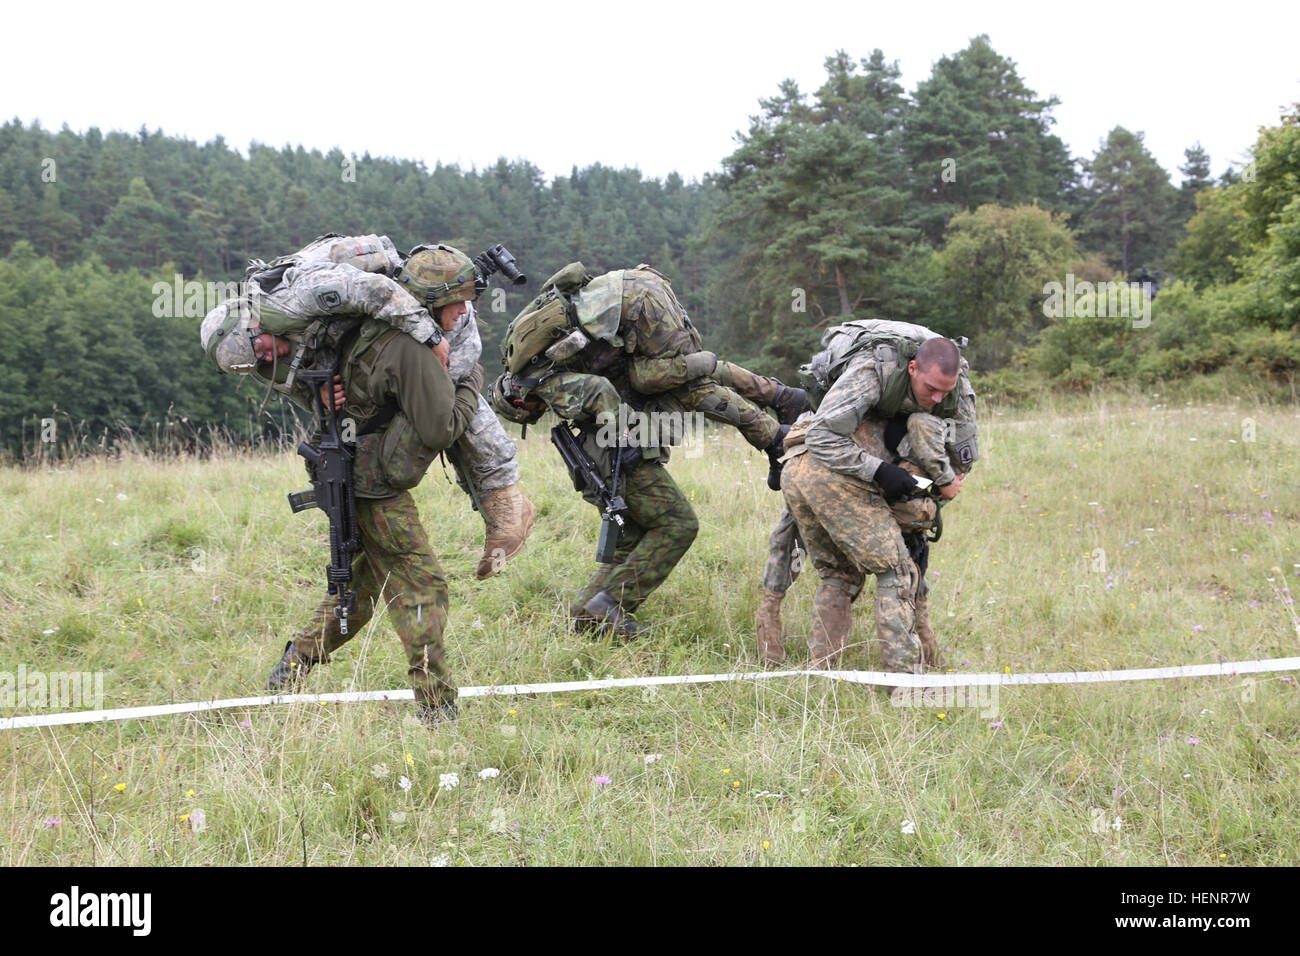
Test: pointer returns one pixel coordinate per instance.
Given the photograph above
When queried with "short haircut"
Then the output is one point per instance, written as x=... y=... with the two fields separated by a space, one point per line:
x=939 y=352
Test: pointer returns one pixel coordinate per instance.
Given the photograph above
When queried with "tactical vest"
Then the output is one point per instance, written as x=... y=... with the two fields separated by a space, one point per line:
x=390 y=458
x=541 y=323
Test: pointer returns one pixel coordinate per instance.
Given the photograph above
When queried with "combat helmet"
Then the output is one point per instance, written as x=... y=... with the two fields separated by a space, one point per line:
x=438 y=275
x=227 y=337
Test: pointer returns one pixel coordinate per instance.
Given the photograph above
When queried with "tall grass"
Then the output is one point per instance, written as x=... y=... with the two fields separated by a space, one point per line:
x=1105 y=530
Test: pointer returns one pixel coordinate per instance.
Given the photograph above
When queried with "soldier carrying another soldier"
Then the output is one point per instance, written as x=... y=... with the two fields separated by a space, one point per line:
x=894 y=392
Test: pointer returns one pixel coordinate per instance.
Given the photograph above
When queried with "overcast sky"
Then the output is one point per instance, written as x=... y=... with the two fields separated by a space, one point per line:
x=661 y=87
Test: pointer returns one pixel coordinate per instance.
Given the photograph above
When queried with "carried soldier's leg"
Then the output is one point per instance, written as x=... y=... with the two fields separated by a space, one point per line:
x=788 y=403
x=784 y=562
x=491 y=460
x=721 y=404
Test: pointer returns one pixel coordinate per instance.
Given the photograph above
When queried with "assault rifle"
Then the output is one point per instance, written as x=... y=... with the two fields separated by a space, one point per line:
x=332 y=491
x=586 y=476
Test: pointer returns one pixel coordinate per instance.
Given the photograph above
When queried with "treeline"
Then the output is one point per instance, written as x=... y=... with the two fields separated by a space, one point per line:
x=954 y=205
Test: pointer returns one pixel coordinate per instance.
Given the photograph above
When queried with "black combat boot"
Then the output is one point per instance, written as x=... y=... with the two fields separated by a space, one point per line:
x=602 y=613
x=789 y=404
x=291 y=671
x=431 y=715
x=774 y=453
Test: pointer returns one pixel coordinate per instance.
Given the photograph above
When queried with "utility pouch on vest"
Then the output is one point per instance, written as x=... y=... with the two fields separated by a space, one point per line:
x=535 y=330
x=402 y=456
x=392 y=460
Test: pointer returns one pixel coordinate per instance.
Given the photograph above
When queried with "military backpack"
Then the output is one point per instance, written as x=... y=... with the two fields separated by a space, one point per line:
x=895 y=344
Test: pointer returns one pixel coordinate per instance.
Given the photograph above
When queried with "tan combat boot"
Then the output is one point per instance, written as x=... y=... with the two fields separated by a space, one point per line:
x=832 y=620
x=511 y=517
x=929 y=643
x=768 y=626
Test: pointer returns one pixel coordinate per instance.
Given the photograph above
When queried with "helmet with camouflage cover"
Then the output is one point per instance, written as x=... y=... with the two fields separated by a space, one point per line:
x=438 y=275
x=227 y=337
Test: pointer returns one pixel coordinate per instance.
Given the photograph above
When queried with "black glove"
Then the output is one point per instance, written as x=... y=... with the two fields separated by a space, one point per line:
x=893 y=481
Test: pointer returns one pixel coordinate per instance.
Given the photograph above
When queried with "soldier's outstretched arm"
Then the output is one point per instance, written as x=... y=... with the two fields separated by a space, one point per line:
x=830 y=433
x=578 y=396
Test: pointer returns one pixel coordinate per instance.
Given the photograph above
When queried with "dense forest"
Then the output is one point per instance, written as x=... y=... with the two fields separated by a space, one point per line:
x=953 y=205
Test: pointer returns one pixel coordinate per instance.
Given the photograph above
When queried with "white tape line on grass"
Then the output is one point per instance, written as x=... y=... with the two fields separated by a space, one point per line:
x=1225 y=669
x=503 y=690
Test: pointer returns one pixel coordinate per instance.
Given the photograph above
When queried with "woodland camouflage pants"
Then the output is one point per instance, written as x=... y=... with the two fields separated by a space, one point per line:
x=397 y=566
x=660 y=527
x=850 y=531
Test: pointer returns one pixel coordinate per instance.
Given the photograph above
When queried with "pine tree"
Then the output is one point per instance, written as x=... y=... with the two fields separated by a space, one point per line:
x=1196 y=177
x=977 y=134
x=1131 y=216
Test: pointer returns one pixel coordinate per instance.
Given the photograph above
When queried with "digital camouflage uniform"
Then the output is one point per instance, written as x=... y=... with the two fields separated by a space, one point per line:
x=395 y=564
x=660 y=524
x=847 y=526
x=328 y=287
x=661 y=339
x=485 y=448
x=329 y=283
x=922 y=452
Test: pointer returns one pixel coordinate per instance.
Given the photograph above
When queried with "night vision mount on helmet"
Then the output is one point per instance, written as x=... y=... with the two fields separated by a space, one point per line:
x=439 y=275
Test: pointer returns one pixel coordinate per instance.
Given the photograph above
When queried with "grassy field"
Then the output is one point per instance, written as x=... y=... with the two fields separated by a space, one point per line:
x=1106 y=532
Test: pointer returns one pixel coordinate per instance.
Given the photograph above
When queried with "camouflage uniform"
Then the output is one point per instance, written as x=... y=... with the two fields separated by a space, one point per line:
x=846 y=524
x=326 y=290
x=659 y=335
x=396 y=564
x=660 y=524
x=921 y=451
x=327 y=286
x=484 y=449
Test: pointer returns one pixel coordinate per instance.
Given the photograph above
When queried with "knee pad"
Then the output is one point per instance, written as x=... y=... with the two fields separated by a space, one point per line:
x=852 y=586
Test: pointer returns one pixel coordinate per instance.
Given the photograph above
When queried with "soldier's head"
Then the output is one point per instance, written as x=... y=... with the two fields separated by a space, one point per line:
x=235 y=343
x=934 y=371
x=442 y=278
